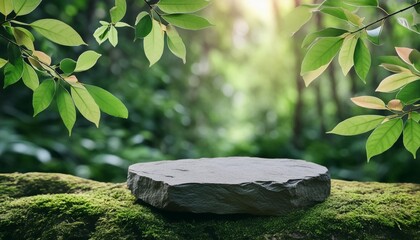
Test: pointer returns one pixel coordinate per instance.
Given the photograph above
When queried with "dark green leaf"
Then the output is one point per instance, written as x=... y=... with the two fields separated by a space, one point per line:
x=67 y=65
x=107 y=102
x=12 y=73
x=410 y=93
x=415 y=59
x=143 y=25
x=58 y=32
x=182 y=6
x=43 y=96
x=383 y=137
x=66 y=108
x=362 y=60
x=187 y=21
x=375 y=34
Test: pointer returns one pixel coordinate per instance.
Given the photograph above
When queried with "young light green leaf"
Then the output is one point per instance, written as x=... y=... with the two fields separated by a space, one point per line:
x=396 y=81
x=362 y=3
x=2 y=62
x=343 y=14
x=411 y=136
x=6 y=7
x=297 y=18
x=321 y=53
x=118 y=11
x=43 y=95
x=113 y=36
x=122 y=24
x=394 y=68
x=85 y=103
x=357 y=125
x=410 y=93
x=310 y=76
x=362 y=60
x=107 y=102
x=394 y=60
x=175 y=43
x=12 y=73
x=369 y=102
x=24 y=38
x=182 y=6
x=143 y=25
x=67 y=65
x=154 y=43
x=404 y=54
x=66 y=108
x=23 y=7
x=58 y=32
x=101 y=34
x=327 y=32
x=346 y=55
x=375 y=34
x=383 y=137
x=86 y=61
x=187 y=21
x=29 y=77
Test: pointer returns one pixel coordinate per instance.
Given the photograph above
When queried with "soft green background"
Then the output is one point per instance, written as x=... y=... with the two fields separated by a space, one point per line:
x=238 y=94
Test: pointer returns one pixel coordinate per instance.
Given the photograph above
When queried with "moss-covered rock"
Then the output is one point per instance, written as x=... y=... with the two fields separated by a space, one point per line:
x=57 y=206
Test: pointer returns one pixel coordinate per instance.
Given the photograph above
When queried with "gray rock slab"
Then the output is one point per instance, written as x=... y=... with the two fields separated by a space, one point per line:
x=230 y=185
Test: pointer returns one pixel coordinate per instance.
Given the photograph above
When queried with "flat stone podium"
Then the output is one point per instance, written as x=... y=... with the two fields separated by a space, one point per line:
x=230 y=185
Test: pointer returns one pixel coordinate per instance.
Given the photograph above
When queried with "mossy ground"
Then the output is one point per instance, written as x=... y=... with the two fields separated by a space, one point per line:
x=57 y=206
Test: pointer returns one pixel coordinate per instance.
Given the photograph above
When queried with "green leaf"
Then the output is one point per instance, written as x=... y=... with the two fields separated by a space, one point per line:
x=362 y=60
x=23 y=7
x=113 y=36
x=118 y=11
x=154 y=43
x=86 y=61
x=410 y=93
x=143 y=25
x=66 y=108
x=321 y=53
x=101 y=34
x=29 y=77
x=392 y=60
x=14 y=54
x=297 y=18
x=67 y=65
x=107 y=102
x=396 y=81
x=24 y=38
x=58 y=32
x=187 y=21
x=2 y=62
x=375 y=34
x=43 y=96
x=182 y=6
x=369 y=102
x=403 y=22
x=85 y=103
x=328 y=32
x=357 y=125
x=12 y=74
x=122 y=24
x=394 y=68
x=362 y=3
x=310 y=76
x=343 y=14
x=383 y=137
x=175 y=43
x=414 y=57
x=411 y=136
x=6 y=7
x=346 y=55
x=415 y=116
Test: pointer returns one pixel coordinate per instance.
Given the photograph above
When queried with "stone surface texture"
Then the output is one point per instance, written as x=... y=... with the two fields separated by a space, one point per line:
x=230 y=185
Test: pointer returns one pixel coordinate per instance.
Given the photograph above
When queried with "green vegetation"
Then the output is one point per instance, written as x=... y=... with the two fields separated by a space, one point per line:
x=57 y=206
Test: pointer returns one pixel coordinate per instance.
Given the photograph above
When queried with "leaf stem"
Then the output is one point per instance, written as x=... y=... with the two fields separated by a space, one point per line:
x=152 y=8
x=385 y=17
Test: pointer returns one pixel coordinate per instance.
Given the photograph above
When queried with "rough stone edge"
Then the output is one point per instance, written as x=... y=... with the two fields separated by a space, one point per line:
x=95 y=210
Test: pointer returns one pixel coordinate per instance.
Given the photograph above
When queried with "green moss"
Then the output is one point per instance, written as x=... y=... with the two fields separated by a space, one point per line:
x=57 y=206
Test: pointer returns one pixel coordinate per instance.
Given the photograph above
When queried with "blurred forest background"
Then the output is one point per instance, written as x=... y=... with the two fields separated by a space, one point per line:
x=238 y=94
